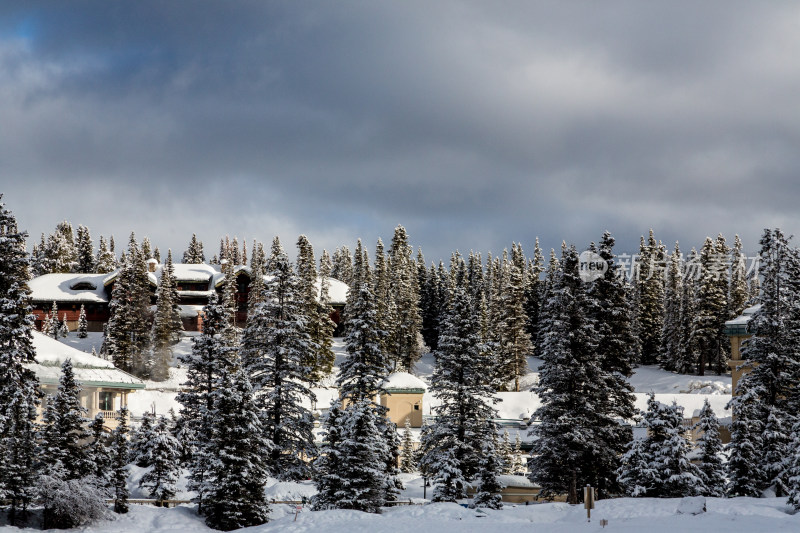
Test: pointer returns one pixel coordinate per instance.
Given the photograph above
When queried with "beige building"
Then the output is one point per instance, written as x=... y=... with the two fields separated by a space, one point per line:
x=403 y=398
x=105 y=388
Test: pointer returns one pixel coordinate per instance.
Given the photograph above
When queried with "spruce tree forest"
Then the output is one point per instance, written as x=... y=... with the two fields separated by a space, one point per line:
x=245 y=416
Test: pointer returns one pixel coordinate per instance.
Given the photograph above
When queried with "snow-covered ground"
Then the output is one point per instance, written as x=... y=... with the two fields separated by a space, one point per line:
x=624 y=515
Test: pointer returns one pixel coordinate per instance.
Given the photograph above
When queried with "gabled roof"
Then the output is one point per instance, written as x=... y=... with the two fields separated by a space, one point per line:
x=89 y=370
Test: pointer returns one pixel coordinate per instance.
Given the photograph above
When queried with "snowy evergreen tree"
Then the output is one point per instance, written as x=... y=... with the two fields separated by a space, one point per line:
x=167 y=325
x=673 y=292
x=711 y=309
x=119 y=462
x=431 y=307
x=357 y=450
x=83 y=324
x=772 y=364
x=325 y=326
x=194 y=254
x=147 y=249
x=745 y=473
x=658 y=466
x=343 y=266
x=712 y=468
x=687 y=350
x=211 y=354
x=464 y=414
x=361 y=375
x=506 y=454
x=161 y=479
x=65 y=431
x=579 y=438
x=98 y=453
x=533 y=295
x=238 y=450
x=650 y=286
x=328 y=466
x=514 y=341
x=18 y=384
x=448 y=478
x=488 y=487
x=775 y=442
x=274 y=346
x=63 y=328
x=404 y=326
x=308 y=306
x=59 y=252
x=793 y=468
x=128 y=331
x=408 y=455
x=54 y=326
x=142 y=439
x=255 y=293
x=105 y=260
x=85 y=251
x=738 y=295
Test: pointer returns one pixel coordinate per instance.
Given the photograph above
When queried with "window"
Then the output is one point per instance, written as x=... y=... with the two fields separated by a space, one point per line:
x=106 y=401
x=416 y=407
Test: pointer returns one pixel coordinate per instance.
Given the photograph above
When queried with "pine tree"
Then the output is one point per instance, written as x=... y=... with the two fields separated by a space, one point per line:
x=18 y=384
x=506 y=455
x=673 y=291
x=745 y=473
x=514 y=341
x=63 y=328
x=487 y=491
x=85 y=251
x=579 y=437
x=167 y=325
x=405 y=327
x=255 y=293
x=775 y=442
x=533 y=295
x=408 y=455
x=709 y=443
x=738 y=295
x=465 y=412
x=343 y=266
x=105 y=261
x=98 y=453
x=211 y=354
x=307 y=293
x=650 y=285
x=194 y=254
x=325 y=327
x=119 y=462
x=658 y=466
x=147 y=249
x=54 y=326
x=164 y=458
x=518 y=459
x=711 y=308
x=60 y=253
x=128 y=332
x=448 y=478
x=275 y=344
x=65 y=429
x=142 y=439
x=793 y=468
x=357 y=449
x=83 y=324
x=237 y=448
x=687 y=349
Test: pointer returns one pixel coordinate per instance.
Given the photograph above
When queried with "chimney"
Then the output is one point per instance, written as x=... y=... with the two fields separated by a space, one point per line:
x=152 y=265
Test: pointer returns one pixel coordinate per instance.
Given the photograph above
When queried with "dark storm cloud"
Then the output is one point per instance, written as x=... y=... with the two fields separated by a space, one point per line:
x=471 y=123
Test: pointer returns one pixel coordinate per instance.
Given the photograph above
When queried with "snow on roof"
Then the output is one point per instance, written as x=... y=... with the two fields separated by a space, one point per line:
x=337 y=291
x=745 y=317
x=403 y=380
x=60 y=287
x=193 y=272
x=89 y=370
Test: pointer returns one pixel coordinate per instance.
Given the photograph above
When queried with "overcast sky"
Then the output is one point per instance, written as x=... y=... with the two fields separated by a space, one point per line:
x=473 y=124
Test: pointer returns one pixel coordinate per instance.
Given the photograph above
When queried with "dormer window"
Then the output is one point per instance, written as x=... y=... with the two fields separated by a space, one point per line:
x=84 y=286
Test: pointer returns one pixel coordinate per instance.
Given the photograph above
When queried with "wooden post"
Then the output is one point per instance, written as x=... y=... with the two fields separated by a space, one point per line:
x=588 y=501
